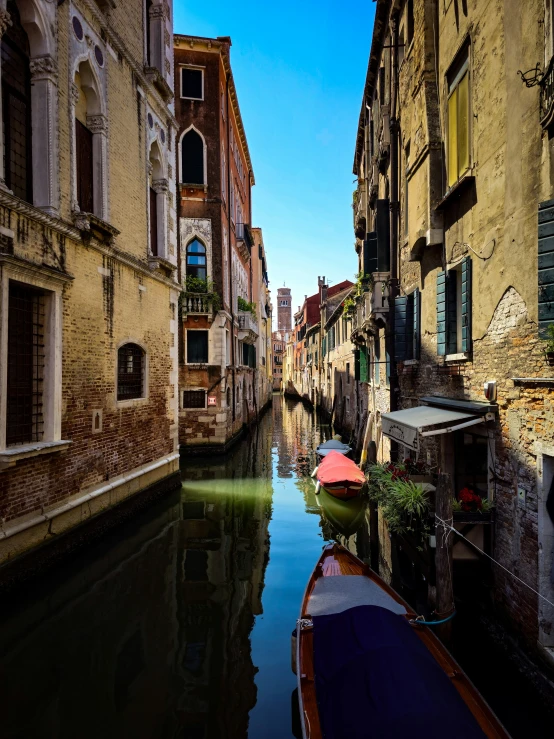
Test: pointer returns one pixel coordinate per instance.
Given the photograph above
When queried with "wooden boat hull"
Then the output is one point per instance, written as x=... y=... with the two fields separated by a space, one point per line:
x=336 y=560
x=343 y=492
x=345 y=516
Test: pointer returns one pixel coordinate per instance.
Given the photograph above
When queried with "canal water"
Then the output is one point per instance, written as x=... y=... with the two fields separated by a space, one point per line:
x=177 y=624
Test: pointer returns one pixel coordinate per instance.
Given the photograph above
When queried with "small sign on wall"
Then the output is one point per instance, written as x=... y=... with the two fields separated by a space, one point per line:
x=212 y=400
x=521 y=495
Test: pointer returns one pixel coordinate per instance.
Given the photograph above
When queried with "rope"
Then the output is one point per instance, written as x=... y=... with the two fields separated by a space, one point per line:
x=419 y=621
x=445 y=525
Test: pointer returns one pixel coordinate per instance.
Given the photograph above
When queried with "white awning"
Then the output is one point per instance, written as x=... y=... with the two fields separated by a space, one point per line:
x=409 y=425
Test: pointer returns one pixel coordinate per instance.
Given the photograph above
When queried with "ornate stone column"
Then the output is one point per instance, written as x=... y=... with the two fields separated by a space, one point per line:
x=98 y=125
x=158 y=14
x=44 y=106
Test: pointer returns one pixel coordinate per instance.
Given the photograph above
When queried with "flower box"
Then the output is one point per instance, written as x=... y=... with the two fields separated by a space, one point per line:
x=473 y=517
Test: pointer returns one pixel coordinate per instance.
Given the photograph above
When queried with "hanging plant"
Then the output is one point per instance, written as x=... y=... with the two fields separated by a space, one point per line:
x=244 y=305
x=349 y=307
x=198 y=286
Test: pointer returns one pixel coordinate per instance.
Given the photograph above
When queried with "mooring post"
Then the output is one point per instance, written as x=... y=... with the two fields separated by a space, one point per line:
x=443 y=556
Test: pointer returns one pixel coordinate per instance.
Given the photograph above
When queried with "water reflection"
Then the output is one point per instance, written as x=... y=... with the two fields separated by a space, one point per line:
x=177 y=625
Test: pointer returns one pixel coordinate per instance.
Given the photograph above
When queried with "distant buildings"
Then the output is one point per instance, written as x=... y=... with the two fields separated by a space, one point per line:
x=281 y=336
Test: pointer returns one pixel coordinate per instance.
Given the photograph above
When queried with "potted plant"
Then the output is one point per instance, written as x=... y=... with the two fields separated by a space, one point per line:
x=469 y=506
x=549 y=344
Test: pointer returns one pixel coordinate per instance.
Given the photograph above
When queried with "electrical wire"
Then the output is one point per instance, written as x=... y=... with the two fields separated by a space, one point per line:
x=446 y=526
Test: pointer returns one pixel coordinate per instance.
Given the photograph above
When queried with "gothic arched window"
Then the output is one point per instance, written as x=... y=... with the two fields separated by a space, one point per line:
x=192 y=158
x=196 y=260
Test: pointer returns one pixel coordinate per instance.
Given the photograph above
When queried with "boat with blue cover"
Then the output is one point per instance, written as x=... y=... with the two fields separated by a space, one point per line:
x=367 y=669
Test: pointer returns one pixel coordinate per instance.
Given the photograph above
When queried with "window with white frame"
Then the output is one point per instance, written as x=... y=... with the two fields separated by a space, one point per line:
x=197 y=346
x=192 y=83
x=193 y=158
x=30 y=340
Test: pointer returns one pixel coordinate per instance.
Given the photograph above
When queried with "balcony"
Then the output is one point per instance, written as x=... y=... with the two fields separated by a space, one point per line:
x=245 y=242
x=547 y=95
x=248 y=327
x=380 y=295
x=197 y=303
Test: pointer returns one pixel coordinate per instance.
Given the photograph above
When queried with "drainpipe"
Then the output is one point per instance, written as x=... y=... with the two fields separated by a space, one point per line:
x=230 y=250
x=394 y=277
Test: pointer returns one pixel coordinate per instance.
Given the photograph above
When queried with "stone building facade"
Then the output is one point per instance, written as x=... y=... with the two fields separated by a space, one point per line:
x=220 y=329
x=279 y=343
x=88 y=259
x=453 y=219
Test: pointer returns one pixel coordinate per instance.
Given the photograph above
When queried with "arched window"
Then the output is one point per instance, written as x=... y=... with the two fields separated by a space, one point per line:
x=192 y=158
x=130 y=372
x=16 y=107
x=196 y=260
x=90 y=143
x=158 y=187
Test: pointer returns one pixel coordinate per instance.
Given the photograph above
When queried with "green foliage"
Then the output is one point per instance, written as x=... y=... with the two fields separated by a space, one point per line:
x=364 y=283
x=244 y=305
x=486 y=506
x=549 y=340
x=348 y=307
x=403 y=504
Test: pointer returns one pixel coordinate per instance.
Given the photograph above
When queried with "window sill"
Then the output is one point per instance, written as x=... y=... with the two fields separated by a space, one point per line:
x=461 y=357
x=10 y=456
x=131 y=403
x=456 y=190
x=410 y=362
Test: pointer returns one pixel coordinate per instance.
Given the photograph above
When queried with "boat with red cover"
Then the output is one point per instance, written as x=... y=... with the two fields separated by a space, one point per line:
x=366 y=669
x=340 y=476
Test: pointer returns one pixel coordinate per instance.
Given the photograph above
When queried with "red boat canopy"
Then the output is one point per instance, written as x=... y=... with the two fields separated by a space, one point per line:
x=336 y=469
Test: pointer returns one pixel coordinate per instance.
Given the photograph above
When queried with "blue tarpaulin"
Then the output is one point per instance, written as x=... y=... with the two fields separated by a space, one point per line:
x=376 y=679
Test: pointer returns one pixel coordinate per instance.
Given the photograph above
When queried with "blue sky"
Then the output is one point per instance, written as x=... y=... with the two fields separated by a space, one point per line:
x=299 y=69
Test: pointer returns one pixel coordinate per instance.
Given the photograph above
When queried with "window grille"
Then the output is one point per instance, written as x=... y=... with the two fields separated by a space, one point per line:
x=130 y=372
x=26 y=308
x=16 y=107
x=194 y=399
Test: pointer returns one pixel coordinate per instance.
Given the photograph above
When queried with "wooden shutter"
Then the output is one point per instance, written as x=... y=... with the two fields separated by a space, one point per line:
x=451 y=312
x=383 y=237
x=416 y=324
x=466 y=305
x=441 y=314
x=400 y=328
x=324 y=346
x=83 y=145
x=153 y=222
x=364 y=371
x=357 y=364
x=546 y=266
x=370 y=253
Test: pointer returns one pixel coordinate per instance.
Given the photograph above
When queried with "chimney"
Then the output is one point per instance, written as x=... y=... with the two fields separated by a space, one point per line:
x=322 y=289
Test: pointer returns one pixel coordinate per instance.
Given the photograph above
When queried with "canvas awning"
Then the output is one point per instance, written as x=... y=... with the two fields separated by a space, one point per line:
x=409 y=425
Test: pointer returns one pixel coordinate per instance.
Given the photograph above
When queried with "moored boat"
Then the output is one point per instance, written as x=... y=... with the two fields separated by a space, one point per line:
x=366 y=669
x=345 y=516
x=340 y=476
x=333 y=445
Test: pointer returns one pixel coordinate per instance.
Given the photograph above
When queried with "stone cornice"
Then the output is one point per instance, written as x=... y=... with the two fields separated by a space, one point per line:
x=66 y=229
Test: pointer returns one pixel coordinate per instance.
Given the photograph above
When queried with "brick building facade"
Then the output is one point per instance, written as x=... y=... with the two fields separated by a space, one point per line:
x=88 y=255
x=453 y=218
x=220 y=329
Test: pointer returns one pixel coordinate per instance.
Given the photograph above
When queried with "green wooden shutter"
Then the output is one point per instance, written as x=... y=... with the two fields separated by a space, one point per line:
x=441 y=314
x=400 y=327
x=451 y=312
x=377 y=358
x=357 y=364
x=364 y=373
x=546 y=266
x=382 y=221
x=466 y=304
x=370 y=253
x=324 y=346
x=416 y=323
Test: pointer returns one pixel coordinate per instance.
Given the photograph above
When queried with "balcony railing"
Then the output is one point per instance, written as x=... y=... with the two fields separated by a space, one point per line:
x=248 y=327
x=243 y=233
x=197 y=303
x=547 y=95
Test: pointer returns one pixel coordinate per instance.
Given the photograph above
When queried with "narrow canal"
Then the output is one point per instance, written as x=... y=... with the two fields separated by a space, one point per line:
x=177 y=624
